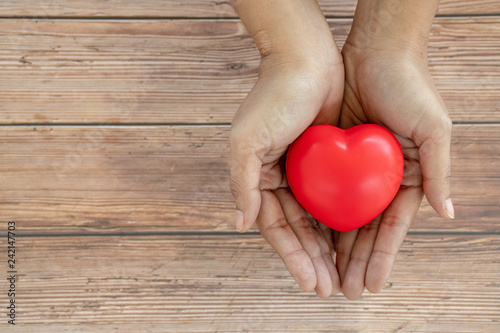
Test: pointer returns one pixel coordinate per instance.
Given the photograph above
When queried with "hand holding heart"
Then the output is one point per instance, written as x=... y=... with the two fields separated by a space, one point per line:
x=283 y=103
x=395 y=90
x=385 y=84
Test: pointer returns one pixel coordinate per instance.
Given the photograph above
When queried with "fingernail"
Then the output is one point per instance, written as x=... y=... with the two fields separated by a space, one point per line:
x=239 y=220
x=448 y=206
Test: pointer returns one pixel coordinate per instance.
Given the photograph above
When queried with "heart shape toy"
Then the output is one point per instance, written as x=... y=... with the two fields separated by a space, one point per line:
x=345 y=178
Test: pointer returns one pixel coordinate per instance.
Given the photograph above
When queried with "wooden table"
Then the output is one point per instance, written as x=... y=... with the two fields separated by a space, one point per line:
x=114 y=122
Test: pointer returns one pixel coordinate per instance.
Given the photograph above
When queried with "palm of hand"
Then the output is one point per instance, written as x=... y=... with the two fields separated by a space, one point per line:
x=397 y=93
x=278 y=109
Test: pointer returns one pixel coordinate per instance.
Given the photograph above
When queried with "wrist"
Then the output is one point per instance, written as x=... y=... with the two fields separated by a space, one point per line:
x=322 y=63
x=289 y=31
x=360 y=46
x=402 y=27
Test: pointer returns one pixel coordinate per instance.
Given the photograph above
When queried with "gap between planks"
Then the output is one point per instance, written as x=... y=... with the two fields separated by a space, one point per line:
x=159 y=124
x=201 y=18
x=232 y=233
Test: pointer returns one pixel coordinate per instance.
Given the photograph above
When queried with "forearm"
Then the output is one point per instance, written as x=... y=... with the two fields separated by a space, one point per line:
x=288 y=29
x=395 y=24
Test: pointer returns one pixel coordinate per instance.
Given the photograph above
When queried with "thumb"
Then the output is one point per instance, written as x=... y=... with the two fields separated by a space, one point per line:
x=245 y=176
x=434 y=152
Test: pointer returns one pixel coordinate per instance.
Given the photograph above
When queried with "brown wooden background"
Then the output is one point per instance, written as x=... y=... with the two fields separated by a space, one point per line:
x=114 y=122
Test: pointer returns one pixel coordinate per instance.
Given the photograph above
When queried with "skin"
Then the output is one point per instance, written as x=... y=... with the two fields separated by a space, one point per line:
x=381 y=77
x=388 y=83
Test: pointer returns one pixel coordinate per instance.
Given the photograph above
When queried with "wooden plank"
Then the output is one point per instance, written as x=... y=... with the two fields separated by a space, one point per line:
x=175 y=178
x=196 y=8
x=114 y=71
x=274 y=326
x=236 y=284
x=149 y=71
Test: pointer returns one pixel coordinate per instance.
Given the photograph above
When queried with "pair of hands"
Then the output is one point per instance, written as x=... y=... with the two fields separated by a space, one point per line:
x=370 y=83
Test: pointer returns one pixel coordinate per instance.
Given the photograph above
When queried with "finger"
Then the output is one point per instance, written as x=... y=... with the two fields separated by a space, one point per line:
x=313 y=242
x=434 y=152
x=328 y=235
x=275 y=229
x=392 y=230
x=344 y=246
x=354 y=280
x=245 y=176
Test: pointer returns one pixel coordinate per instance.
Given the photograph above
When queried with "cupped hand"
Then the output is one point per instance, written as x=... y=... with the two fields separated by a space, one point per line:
x=288 y=97
x=393 y=88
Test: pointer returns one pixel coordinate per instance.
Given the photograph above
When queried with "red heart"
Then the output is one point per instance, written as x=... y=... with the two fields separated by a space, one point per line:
x=345 y=178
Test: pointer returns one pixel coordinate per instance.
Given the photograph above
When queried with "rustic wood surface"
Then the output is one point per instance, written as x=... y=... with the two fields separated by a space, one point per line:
x=196 y=8
x=114 y=123
x=73 y=179
x=215 y=283
x=185 y=71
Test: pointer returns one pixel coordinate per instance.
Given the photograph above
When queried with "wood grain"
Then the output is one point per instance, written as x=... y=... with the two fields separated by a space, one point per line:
x=72 y=181
x=150 y=71
x=236 y=284
x=196 y=8
x=81 y=179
